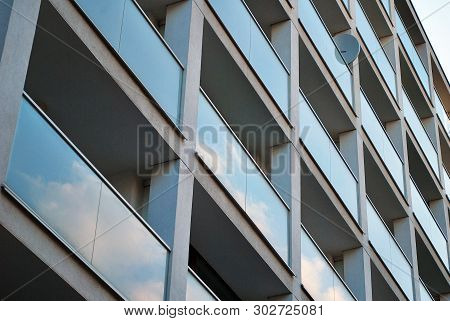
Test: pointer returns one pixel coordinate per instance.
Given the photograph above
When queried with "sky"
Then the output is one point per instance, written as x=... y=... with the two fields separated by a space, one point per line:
x=435 y=17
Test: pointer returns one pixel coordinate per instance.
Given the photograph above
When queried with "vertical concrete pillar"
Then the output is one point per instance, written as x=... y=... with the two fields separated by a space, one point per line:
x=285 y=39
x=184 y=33
x=357 y=273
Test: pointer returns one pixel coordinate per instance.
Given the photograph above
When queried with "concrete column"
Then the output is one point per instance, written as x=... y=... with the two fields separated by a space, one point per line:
x=357 y=273
x=285 y=39
x=406 y=238
x=184 y=33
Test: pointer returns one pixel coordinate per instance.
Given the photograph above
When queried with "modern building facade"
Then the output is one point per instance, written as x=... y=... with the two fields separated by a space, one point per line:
x=221 y=150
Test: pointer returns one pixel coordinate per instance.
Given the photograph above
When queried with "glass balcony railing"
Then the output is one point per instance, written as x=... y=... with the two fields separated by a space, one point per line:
x=420 y=133
x=328 y=157
x=424 y=293
x=255 y=46
x=440 y=110
x=389 y=251
x=131 y=34
x=426 y=219
x=319 y=277
x=226 y=157
x=323 y=41
x=346 y=4
x=380 y=139
x=70 y=198
x=196 y=290
x=375 y=48
x=411 y=50
x=446 y=183
x=386 y=6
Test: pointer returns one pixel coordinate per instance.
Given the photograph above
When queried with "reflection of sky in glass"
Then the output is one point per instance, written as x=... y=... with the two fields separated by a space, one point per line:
x=196 y=291
x=230 y=163
x=319 y=279
x=65 y=193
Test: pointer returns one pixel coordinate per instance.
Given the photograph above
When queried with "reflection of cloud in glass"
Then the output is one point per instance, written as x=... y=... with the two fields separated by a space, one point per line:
x=127 y=253
x=231 y=165
x=318 y=277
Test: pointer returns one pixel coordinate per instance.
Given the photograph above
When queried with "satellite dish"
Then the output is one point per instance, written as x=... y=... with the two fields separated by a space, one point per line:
x=348 y=47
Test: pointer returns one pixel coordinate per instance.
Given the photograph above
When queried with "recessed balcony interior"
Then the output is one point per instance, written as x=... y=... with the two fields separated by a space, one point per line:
x=380 y=192
x=381 y=291
x=374 y=91
x=236 y=263
x=321 y=96
x=374 y=10
x=323 y=221
x=236 y=100
x=92 y=110
x=332 y=15
x=429 y=271
x=156 y=11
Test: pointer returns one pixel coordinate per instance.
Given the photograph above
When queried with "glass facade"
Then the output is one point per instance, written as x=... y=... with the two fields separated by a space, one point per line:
x=197 y=290
x=82 y=210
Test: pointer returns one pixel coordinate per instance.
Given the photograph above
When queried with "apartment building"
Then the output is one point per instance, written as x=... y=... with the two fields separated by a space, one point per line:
x=221 y=150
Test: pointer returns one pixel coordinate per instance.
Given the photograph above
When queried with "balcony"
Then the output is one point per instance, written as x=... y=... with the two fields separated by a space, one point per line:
x=225 y=156
x=412 y=53
x=380 y=139
x=323 y=41
x=256 y=47
x=375 y=48
x=63 y=190
x=327 y=155
x=134 y=38
x=197 y=290
x=428 y=223
x=440 y=110
x=389 y=251
x=319 y=277
x=418 y=130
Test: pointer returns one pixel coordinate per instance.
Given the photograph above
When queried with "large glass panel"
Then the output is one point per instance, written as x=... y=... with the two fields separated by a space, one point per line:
x=389 y=251
x=244 y=29
x=328 y=157
x=428 y=223
x=107 y=16
x=386 y=6
x=230 y=163
x=80 y=208
x=376 y=50
x=140 y=46
x=318 y=277
x=442 y=114
x=411 y=50
x=420 y=133
x=324 y=43
x=126 y=253
x=381 y=141
x=196 y=291
x=53 y=181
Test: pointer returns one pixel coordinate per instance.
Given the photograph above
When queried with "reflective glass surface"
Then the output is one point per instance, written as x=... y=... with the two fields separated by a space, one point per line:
x=411 y=50
x=376 y=50
x=230 y=163
x=419 y=131
x=327 y=156
x=381 y=141
x=196 y=291
x=389 y=251
x=324 y=43
x=79 y=207
x=424 y=294
x=429 y=225
x=245 y=31
x=318 y=277
x=129 y=32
